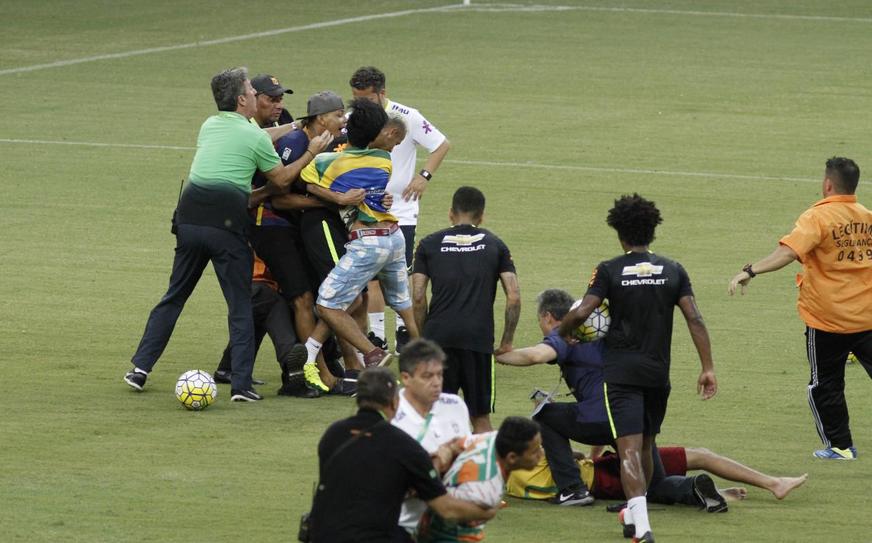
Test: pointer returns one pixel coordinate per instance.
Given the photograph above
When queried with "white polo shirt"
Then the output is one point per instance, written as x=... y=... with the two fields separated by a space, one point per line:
x=447 y=420
x=419 y=131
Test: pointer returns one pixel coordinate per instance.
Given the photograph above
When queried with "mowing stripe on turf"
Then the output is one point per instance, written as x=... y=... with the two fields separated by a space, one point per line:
x=529 y=8
x=498 y=164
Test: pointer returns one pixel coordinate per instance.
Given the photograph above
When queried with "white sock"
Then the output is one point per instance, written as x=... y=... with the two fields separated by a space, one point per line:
x=638 y=508
x=313 y=347
x=377 y=324
x=400 y=321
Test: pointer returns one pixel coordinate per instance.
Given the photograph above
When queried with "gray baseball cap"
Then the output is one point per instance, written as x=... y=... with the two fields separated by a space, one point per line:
x=323 y=102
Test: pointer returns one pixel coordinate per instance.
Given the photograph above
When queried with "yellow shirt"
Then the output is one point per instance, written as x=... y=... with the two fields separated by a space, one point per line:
x=833 y=240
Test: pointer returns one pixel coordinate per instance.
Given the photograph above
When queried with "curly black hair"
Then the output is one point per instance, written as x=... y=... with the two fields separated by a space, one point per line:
x=366 y=77
x=635 y=219
x=365 y=122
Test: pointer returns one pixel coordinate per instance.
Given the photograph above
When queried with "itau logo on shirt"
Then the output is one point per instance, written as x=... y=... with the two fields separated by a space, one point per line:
x=462 y=243
x=644 y=271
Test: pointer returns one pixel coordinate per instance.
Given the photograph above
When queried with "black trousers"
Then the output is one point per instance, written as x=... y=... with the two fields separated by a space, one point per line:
x=271 y=316
x=558 y=424
x=232 y=259
x=827 y=352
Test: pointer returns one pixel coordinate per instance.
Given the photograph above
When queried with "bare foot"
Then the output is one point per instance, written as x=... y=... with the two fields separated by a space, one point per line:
x=786 y=484
x=734 y=494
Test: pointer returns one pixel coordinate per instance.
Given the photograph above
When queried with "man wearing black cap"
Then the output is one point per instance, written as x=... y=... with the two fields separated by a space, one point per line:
x=366 y=468
x=270 y=101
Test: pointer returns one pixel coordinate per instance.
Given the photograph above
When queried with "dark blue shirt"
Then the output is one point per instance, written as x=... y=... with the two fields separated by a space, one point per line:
x=582 y=368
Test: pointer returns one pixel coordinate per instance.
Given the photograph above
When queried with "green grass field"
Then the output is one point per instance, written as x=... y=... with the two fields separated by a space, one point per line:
x=722 y=112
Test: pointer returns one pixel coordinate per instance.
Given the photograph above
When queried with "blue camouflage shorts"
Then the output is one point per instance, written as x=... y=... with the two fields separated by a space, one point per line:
x=366 y=258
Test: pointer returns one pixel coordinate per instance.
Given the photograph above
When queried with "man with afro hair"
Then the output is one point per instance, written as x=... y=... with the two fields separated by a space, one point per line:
x=642 y=289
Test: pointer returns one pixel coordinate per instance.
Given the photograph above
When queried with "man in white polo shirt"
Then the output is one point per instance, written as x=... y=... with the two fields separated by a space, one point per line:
x=407 y=184
x=434 y=419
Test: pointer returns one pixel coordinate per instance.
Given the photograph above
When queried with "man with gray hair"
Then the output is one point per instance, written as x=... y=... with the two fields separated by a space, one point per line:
x=210 y=222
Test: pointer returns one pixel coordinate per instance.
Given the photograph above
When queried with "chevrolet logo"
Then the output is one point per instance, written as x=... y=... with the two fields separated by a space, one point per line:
x=462 y=239
x=642 y=269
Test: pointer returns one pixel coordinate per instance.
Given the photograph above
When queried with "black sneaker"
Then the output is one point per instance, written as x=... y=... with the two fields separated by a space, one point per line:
x=294 y=385
x=707 y=494
x=647 y=538
x=135 y=379
x=629 y=530
x=244 y=396
x=402 y=337
x=344 y=387
x=573 y=497
x=225 y=377
x=377 y=341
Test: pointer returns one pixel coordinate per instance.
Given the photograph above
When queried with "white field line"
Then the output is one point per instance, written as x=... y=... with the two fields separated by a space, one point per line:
x=694 y=13
x=497 y=164
x=472 y=7
x=220 y=41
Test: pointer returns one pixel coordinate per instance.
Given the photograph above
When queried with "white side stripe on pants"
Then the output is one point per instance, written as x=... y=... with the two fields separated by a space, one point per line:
x=812 y=362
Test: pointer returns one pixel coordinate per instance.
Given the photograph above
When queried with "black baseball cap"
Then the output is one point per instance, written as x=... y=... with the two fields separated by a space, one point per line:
x=269 y=85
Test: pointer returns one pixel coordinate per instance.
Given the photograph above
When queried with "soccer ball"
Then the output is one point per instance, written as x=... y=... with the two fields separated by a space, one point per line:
x=196 y=390
x=596 y=326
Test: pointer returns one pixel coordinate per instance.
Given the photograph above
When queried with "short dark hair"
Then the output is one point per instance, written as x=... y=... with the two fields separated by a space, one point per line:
x=227 y=86
x=365 y=122
x=844 y=173
x=376 y=387
x=468 y=200
x=554 y=301
x=417 y=351
x=514 y=435
x=635 y=219
x=366 y=77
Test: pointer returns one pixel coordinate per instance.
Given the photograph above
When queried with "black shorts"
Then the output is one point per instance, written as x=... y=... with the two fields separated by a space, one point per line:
x=409 y=233
x=324 y=237
x=473 y=373
x=634 y=409
x=279 y=248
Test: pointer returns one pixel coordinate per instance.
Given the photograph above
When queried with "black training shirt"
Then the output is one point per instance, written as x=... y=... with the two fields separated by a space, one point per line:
x=464 y=264
x=643 y=290
x=361 y=490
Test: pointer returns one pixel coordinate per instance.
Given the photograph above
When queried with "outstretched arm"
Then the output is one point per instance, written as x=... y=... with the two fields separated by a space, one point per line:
x=777 y=259
x=707 y=384
x=528 y=356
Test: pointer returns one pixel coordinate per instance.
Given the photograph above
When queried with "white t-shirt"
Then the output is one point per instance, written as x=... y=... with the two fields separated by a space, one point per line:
x=419 y=131
x=447 y=420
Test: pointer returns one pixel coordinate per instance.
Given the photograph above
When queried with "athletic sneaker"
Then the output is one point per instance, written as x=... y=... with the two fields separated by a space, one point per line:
x=707 y=494
x=135 y=379
x=244 y=396
x=576 y=497
x=629 y=529
x=831 y=453
x=313 y=378
x=294 y=384
x=377 y=357
x=648 y=537
x=402 y=337
x=344 y=387
x=377 y=341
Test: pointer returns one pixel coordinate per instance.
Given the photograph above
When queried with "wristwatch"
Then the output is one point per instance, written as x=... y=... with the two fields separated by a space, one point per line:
x=747 y=269
x=426 y=174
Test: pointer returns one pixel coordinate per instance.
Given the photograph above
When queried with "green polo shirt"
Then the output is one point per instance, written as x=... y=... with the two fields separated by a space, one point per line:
x=229 y=150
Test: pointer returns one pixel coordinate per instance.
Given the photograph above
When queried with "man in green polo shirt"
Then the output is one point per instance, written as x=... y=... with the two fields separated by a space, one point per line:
x=210 y=223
